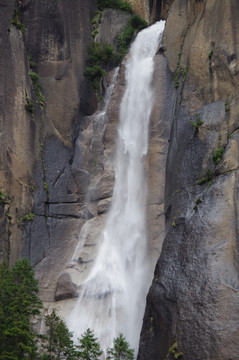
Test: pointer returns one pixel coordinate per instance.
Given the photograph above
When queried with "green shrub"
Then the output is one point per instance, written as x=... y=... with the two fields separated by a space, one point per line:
x=137 y=22
x=101 y=54
x=101 y=57
x=4 y=198
x=208 y=177
x=31 y=63
x=28 y=217
x=34 y=77
x=29 y=106
x=25 y=218
x=94 y=74
x=94 y=33
x=115 y=4
x=16 y=21
x=36 y=83
x=227 y=108
x=197 y=202
x=196 y=124
x=217 y=155
x=173 y=352
x=176 y=77
x=124 y=39
x=210 y=54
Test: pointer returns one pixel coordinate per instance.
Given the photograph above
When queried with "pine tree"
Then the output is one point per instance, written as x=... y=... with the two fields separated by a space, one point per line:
x=89 y=348
x=120 y=350
x=58 y=340
x=19 y=303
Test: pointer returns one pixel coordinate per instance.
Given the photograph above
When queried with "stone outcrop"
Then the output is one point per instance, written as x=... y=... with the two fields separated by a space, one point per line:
x=151 y=10
x=194 y=299
x=66 y=289
x=113 y=22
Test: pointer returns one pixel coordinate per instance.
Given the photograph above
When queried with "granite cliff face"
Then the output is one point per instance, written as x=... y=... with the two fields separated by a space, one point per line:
x=36 y=149
x=57 y=163
x=194 y=296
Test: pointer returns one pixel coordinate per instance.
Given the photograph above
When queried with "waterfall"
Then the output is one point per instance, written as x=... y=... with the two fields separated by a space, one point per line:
x=112 y=297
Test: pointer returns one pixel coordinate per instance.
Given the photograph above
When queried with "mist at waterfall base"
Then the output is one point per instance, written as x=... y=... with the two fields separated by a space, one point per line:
x=112 y=297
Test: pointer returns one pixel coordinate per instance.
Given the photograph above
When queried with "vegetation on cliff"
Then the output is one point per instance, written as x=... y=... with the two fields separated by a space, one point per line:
x=115 y=4
x=102 y=57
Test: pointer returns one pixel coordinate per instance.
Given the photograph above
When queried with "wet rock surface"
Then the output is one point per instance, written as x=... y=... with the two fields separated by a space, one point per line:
x=193 y=299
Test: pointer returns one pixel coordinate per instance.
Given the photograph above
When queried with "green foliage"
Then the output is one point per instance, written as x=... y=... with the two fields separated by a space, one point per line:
x=197 y=202
x=185 y=70
x=227 y=108
x=31 y=63
x=9 y=216
x=176 y=77
x=124 y=39
x=4 y=198
x=46 y=188
x=28 y=217
x=173 y=352
x=207 y=178
x=29 y=106
x=210 y=55
x=89 y=348
x=19 y=304
x=94 y=74
x=217 y=155
x=97 y=18
x=94 y=33
x=196 y=124
x=101 y=54
x=102 y=57
x=36 y=83
x=25 y=218
x=16 y=21
x=174 y=222
x=137 y=22
x=115 y=4
x=57 y=343
x=120 y=350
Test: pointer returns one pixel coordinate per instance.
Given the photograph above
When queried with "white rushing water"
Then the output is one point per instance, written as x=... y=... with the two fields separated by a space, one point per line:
x=112 y=298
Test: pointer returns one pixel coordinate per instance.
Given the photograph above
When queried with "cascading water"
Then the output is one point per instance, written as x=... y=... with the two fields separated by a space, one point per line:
x=112 y=298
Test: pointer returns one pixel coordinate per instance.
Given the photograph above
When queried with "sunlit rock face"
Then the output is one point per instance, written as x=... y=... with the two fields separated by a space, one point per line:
x=194 y=296
x=151 y=10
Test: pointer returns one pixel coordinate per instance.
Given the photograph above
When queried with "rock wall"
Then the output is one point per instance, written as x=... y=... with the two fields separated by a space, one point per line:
x=194 y=299
x=151 y=10
x=50 y=160
x=36 y=149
